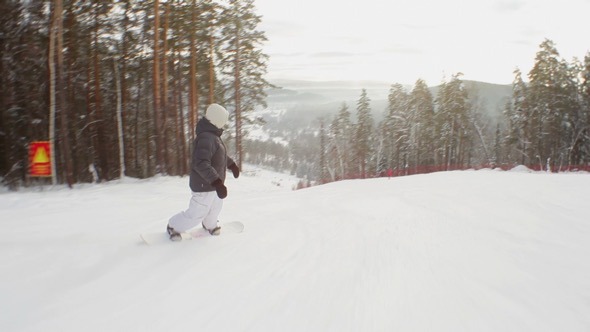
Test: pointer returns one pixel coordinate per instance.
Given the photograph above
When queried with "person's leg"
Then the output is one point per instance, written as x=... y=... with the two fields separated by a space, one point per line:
x=210 y=221
x=199 y=208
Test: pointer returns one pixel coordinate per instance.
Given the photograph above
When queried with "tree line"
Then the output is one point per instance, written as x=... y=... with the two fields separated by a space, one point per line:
x=117 y=86
x=547 y=126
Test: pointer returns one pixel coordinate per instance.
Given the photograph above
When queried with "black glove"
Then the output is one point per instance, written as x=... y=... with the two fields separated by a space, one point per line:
x=234 y=169
x=220 y=188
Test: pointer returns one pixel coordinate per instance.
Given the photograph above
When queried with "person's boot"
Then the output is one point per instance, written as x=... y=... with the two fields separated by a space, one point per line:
x=174 y=235
x=214 y=231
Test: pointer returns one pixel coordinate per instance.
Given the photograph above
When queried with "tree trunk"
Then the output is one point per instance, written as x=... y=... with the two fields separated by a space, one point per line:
x=237 y=99
x=65 y=141
x=181 y=137
x=165 y=111
x=193 y=98
x=52 y=69
x=119 y=121
x=129 y=154
x=211 y=71
x=156 y=83
x=101 y=146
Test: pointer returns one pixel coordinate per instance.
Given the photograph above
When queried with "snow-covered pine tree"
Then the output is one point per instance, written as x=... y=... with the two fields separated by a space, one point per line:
x=363 y=137
x=243 y=64
x=340 y=144
x=452 y=123
x=323 y=153
x=584 y=133
x=517 y=112
x=421 y=109
x=549 y=99
x=396 y=127
x=573 y=120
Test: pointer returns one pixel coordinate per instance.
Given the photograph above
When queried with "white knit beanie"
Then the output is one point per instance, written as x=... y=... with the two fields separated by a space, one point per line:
x=217 y=115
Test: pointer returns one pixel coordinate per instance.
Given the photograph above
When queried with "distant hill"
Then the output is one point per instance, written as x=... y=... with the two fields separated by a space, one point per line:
x=488 y=98
x=309 y=92
x=325 y=98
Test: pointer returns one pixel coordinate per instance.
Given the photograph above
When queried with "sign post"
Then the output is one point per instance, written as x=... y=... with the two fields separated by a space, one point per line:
x=40 y=159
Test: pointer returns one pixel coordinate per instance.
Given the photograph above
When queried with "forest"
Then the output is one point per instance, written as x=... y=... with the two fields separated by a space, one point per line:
x=117 y=88
x=546 y=126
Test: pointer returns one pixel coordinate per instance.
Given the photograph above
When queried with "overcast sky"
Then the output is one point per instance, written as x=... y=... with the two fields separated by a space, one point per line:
x=400 y=41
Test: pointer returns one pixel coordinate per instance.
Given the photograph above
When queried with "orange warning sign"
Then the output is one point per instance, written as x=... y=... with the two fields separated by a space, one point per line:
x=40 y=158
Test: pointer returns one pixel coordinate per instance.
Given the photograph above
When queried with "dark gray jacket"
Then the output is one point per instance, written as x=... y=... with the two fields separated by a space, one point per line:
x=209 y=160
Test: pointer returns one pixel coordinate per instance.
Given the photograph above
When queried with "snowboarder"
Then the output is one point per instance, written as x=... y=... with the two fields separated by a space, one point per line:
x=208 y=164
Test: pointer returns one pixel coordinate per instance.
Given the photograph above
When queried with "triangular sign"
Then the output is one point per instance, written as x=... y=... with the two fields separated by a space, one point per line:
x=40 y=156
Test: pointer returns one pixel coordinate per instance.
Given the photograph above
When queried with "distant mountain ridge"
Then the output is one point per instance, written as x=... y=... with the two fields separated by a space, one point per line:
x=296 y=111
x=326 y=97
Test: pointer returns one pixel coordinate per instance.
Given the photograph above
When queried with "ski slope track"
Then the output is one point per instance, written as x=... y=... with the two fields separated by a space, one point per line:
x=458 y=251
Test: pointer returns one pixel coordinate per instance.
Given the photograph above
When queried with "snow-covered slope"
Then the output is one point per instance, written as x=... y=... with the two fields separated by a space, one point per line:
x=457 y=251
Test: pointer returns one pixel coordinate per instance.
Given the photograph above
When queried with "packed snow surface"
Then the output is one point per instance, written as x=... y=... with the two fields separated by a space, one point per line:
x=457 y=251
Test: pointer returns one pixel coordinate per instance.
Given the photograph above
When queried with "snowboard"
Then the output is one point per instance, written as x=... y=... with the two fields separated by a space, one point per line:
x=155 y=238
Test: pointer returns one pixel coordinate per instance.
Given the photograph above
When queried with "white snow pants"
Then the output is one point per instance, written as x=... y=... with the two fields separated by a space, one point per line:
x=203 y=208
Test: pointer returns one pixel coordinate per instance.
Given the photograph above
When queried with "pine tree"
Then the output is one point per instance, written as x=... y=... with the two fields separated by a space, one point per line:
x=202 y=27
x=61 y=91
x=121 y=60
x=452 y=122
x=396 y=128
x=498 y=146
x=79 y=31
x=193 y=87
x=243 y=64
x=156 y=88
x=550 y=102
x=421 y=110
x=340 y=144
x=573 y=119
x=323 y=151
x=363 y=133
x=518 y=112
x=583 y=142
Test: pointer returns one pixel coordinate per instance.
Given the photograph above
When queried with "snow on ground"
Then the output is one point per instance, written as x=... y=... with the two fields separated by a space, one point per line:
x=456 y=251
